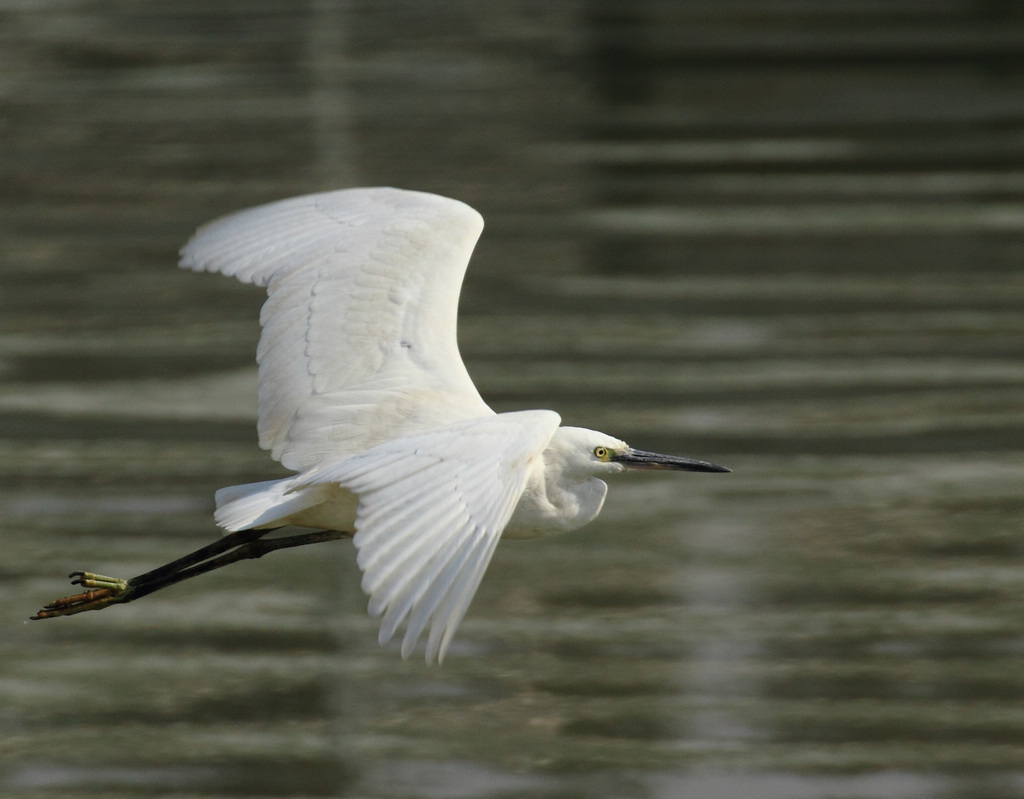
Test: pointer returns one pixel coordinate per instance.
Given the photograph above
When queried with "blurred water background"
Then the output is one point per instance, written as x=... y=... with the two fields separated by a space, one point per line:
x=782 y=236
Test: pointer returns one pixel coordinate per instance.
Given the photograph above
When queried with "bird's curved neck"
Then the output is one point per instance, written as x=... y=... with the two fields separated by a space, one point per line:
x=577 y=502
x=553 y=502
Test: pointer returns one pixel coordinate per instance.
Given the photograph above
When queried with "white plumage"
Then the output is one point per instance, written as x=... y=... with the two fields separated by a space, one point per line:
x=358 y=341
x=363 y=393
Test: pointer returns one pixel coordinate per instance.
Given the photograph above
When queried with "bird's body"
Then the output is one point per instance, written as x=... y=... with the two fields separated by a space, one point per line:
x=554 y=499
x=363 y=394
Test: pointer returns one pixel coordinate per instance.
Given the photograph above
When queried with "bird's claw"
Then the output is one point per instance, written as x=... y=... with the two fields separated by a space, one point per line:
x=90 y=580
x=102 y=591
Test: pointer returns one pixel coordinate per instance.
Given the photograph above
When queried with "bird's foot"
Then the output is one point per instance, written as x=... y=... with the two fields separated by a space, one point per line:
x=102 y=591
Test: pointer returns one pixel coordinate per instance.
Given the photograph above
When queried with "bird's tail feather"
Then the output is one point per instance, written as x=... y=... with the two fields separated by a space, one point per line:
x=265 y=504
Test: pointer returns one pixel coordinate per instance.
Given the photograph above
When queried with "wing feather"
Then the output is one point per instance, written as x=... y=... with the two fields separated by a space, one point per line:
x=418 y=593
x=432 y=507
x=472 y=542
x=456 y=601
x=401 y=527
x=410 y=562
x=359 y=329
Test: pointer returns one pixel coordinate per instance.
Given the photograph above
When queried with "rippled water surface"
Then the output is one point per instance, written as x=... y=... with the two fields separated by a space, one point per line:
x=799 y=259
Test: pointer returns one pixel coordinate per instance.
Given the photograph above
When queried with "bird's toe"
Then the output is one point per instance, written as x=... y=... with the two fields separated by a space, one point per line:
x=102 y=591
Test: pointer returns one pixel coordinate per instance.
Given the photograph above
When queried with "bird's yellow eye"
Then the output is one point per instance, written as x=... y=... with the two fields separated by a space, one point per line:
x=602 y=453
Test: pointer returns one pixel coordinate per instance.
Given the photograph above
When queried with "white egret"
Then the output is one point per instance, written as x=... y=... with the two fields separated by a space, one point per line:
x=363 y=393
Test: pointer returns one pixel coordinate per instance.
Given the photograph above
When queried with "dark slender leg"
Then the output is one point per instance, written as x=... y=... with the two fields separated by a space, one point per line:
x=243 y=545
x=230 y=541
x=255 y=548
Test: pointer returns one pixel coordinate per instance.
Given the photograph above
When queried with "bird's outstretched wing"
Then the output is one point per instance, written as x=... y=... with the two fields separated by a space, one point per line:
x=358 y=343
x=431 y=510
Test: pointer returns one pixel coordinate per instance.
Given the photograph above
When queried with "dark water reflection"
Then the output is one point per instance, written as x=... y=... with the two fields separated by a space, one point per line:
x=841 y=616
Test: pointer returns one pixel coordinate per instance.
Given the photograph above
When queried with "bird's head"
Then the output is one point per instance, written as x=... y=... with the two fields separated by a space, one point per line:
x=590 y=453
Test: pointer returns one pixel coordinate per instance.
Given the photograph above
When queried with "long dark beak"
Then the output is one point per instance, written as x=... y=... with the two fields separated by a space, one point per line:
x=638 y=459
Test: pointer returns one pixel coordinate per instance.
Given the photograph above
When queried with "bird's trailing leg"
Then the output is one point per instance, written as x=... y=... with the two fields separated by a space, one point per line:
x=105 y=591
x=243 y=545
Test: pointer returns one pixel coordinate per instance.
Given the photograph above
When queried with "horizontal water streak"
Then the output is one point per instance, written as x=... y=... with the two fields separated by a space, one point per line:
x=810 y=219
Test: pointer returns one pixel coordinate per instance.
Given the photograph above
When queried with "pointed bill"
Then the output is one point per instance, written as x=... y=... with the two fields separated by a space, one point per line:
x=638 y=459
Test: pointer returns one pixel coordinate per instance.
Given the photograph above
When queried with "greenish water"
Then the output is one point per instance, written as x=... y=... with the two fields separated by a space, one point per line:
x=841 y=616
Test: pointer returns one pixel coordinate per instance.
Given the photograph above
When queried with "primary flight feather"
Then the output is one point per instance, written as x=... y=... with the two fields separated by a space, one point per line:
x=363 y=393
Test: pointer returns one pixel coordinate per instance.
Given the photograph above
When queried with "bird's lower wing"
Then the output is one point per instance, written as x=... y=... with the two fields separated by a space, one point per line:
x=431 y=510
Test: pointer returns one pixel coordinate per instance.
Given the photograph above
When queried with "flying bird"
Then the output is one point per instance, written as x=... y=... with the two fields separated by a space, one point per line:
x=363 y=394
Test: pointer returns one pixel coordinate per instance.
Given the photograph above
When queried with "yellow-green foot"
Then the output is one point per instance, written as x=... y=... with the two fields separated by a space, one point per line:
x=102 y=591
